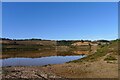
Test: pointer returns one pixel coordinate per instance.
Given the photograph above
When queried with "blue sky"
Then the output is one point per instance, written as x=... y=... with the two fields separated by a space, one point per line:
x=60 y=20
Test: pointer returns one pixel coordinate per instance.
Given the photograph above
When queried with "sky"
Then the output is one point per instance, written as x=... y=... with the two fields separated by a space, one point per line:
x=0 y=19
x=60 y=20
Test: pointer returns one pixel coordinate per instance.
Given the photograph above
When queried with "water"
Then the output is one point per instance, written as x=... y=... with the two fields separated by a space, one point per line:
x=38 y=61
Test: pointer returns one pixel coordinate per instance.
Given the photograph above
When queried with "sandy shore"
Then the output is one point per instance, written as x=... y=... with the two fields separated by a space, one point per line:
x=96 y=69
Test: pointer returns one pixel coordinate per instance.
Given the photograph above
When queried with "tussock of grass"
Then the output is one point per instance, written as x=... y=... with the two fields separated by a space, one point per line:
x=110 y=58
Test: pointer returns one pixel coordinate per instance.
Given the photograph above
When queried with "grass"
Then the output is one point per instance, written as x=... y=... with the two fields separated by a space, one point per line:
x=102 y=51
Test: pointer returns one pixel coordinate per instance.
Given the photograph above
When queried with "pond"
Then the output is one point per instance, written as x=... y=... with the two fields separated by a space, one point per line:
x=19 y=61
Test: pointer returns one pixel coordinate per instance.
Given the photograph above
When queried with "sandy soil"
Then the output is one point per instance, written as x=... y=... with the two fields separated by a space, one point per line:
x=96 y=69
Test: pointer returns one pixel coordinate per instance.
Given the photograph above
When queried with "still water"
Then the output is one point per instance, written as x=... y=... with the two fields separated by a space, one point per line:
x=38 y=61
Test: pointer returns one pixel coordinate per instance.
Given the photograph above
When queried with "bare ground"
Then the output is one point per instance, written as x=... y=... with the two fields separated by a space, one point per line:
x=96 y=69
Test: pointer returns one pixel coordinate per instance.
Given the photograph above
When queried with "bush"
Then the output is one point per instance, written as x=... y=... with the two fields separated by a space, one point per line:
x=110 y=58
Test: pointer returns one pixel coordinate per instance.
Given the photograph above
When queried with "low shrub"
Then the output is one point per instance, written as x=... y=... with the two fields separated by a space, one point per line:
x=110 y=58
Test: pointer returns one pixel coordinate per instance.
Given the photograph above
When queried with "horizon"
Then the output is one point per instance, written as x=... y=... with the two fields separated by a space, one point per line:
x=56 y=39
x=60 y=21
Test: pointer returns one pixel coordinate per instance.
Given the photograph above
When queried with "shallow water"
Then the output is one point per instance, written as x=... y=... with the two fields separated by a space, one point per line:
x=38 y=61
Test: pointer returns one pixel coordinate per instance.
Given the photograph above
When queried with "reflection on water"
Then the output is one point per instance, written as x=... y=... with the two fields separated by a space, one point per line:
x=35 y=54
x=40 y=58
x=81 y=52
x=38 y=61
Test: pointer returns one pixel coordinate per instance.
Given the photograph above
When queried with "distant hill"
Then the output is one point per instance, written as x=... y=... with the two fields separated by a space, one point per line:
x=27 y=41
